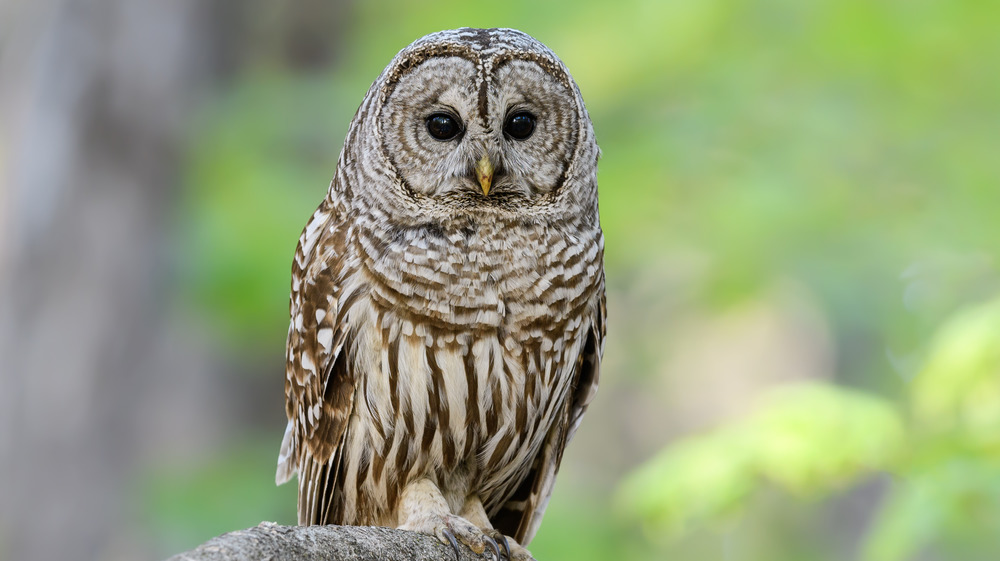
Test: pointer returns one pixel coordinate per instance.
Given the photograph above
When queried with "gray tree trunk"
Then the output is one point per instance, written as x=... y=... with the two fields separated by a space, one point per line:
x=93 y=94
x=97 y=382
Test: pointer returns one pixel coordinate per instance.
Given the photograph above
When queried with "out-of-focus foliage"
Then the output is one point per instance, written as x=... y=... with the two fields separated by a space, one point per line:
x=949 y=494
x=846 y=148
x=808 y=439
x=259 y=164
x=959 y=389
x=187 y=505
x=816 y=439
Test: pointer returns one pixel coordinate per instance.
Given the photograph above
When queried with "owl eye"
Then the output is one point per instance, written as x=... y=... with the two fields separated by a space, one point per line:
x=519 y=126
x=443 y=126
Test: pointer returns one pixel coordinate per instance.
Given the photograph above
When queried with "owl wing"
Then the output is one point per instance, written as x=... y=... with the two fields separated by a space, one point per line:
x=521 y=515
x=319 y=388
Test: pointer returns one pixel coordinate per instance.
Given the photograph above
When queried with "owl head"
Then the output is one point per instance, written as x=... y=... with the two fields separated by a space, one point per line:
x=474 y=121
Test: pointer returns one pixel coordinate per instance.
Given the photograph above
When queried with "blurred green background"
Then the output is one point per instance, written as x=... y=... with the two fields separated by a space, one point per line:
x=800 y=202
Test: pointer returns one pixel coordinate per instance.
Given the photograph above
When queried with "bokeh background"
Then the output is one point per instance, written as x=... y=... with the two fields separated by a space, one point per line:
x=801 y=202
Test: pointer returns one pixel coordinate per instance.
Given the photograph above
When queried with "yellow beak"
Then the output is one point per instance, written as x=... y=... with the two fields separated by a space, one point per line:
x=484 y=172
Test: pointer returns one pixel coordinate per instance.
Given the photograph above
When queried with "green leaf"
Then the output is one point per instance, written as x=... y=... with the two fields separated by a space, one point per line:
x=953 y=502
x=692 y=480
x=810 y=439
x=959 y=388
x=814 y=438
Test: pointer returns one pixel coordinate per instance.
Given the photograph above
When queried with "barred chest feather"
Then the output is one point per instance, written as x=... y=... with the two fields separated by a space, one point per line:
x=463 y=339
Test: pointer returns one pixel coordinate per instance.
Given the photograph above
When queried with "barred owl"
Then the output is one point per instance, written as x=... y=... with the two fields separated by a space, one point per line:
x=447 y=301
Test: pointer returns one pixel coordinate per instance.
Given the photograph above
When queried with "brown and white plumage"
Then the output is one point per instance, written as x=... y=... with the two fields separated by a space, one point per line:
x=446 y=333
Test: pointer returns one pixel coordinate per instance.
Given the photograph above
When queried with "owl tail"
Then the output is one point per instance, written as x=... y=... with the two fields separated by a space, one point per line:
x=286 y=466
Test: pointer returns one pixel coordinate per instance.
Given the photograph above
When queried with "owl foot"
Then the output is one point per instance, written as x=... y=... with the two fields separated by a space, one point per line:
x=451 y=529
x=424 y=510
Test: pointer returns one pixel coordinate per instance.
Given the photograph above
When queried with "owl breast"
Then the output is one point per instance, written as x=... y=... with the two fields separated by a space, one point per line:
x=463 y=339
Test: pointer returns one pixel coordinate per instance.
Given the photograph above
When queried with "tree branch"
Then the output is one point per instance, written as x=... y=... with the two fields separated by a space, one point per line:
x=325 y=543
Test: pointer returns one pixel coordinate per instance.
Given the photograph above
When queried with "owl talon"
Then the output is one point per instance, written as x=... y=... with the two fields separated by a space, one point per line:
x=513 y=550
x=506 y=546
x=497 y=538
x=493 y=545
x=451 y=539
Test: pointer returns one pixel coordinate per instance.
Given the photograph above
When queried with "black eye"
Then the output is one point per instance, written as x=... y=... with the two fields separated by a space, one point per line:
x=519 y=126
x=443 y=126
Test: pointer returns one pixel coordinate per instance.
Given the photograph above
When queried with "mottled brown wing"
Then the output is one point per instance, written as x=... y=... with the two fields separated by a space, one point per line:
x=521 y=515
x=319 y=389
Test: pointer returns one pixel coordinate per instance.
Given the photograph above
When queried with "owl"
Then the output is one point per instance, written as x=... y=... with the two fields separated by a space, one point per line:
x=447 y=300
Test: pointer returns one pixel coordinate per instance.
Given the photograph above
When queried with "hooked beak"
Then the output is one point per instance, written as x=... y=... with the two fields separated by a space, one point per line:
x=484 y=173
